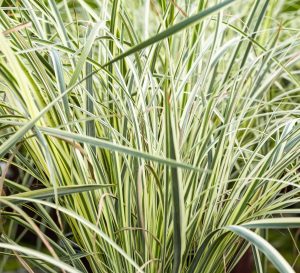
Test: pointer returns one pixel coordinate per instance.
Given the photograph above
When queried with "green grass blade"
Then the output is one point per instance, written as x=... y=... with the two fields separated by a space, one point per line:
x=61 y=191
x=283 y=222
x=257 y=260
x=116 y=147
x=38 y=255
x=271 y=253
x=85 y=53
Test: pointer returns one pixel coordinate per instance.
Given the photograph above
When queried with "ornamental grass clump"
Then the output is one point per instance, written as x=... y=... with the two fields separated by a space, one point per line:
x=149 y=136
